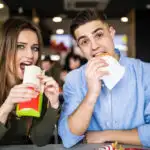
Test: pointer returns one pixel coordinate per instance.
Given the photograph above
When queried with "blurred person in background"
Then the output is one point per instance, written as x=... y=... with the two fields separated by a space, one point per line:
x=93 y=112
x=46 y=63
x=72 y=61
x=21 y=46
x=52 y=68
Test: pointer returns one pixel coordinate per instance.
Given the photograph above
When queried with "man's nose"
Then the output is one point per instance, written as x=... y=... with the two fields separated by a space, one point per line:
x=94 y=44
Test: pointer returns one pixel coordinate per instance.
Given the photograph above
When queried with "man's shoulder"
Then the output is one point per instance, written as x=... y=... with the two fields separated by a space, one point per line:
x=134 y=62
x=139 y=67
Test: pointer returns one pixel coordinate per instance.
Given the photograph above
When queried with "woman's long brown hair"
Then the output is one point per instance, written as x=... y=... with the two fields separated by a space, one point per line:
x=8 y=47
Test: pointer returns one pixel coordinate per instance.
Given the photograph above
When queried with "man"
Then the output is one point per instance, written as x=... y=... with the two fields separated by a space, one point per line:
x=91 y=110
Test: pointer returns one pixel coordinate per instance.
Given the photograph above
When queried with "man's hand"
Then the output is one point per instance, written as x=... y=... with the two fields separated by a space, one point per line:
x=93 y=74
x=121 y=136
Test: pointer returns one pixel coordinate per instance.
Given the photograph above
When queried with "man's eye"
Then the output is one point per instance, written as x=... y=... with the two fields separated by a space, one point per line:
x=98 y=35
x=19 y=46
x=84 y=42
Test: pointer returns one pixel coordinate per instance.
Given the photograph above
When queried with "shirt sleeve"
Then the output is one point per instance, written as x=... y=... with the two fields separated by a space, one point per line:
x=72 y=99
x=43 y=127
x=144 y=130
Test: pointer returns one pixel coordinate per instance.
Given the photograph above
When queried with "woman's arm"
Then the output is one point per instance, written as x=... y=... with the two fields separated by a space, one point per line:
x=43 y=127
x=5 y=109
x=19 y=93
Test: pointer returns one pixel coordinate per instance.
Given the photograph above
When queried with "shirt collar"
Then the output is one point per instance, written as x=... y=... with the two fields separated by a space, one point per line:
x=121 y=56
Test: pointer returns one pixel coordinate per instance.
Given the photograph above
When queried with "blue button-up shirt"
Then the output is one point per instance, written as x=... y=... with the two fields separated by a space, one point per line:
x=126 y=106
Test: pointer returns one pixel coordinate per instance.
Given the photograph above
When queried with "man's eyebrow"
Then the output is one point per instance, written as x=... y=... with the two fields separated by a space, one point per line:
x=81 y=37
x=96 y=30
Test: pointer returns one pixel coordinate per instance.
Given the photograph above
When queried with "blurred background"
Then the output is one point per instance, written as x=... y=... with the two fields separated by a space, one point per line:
x=130 y=18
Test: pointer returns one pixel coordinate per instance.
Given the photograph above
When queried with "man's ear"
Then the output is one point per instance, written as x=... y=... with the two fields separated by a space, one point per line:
x=112 y=31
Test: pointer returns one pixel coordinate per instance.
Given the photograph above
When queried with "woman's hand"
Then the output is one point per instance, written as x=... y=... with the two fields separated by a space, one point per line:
x=51 y=90
x=21 y=93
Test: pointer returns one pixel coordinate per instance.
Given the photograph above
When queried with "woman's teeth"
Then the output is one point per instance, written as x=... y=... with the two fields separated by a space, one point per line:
x=22 y=65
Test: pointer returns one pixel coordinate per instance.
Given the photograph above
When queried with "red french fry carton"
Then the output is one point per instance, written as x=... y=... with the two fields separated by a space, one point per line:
x=34 y=106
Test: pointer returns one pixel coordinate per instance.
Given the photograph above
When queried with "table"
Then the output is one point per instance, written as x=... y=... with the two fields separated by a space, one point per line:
x=58 y=147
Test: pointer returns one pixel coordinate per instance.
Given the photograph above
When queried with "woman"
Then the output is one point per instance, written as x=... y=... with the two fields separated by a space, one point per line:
x=20 y=45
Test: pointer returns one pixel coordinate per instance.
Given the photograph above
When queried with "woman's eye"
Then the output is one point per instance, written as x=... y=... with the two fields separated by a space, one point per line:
x=35 y=48
x=20 y=46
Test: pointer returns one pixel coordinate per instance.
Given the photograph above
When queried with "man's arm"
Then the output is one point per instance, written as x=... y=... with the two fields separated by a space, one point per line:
x=125 y=136
x=138 y=136
x=77 y=109
x=121 y=136
x=79 y=120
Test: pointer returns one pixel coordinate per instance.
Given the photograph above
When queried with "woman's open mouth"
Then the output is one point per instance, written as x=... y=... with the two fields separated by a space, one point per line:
x=22 y=66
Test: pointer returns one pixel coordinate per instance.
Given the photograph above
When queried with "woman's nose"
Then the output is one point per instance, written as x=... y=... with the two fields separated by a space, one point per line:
x=29 y=53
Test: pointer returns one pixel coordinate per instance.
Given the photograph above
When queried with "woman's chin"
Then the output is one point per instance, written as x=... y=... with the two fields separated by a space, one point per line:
x=20 y=75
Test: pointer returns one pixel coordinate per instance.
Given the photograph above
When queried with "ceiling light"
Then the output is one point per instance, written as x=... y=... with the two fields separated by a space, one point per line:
x=57 y=19
x=59 y=31
x=124 y=19
x=20 y=10
x=148 y=6
x=1 y=6
x=36 y=20
x=42 y=57
x=55 y=57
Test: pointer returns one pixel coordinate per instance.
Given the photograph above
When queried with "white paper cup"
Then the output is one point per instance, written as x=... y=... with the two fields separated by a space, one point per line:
x=30 y=75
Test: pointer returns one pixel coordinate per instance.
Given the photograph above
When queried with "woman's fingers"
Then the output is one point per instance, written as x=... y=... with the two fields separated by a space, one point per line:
x=23 y=92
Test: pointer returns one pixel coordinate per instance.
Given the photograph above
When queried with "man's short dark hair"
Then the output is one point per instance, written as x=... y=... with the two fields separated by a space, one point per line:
x=86 y=16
